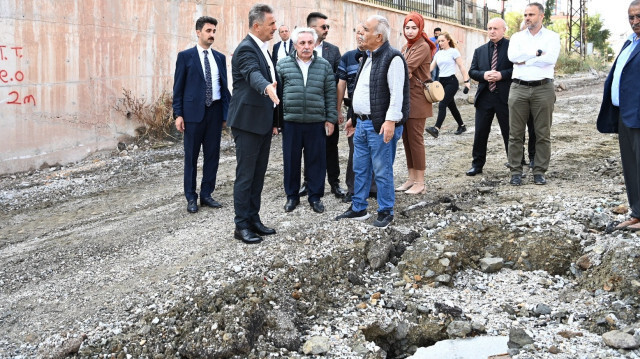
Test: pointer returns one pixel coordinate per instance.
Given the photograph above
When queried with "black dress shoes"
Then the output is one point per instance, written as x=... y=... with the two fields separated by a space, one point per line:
x=516 y=180
x=247 y=236
x=261 y=229
x=317 y=206
x=192 y=206
x=291 y=204
x=303 y=190
x=474 y=171
x=347 y=197
x=337 y=191
x=539 y=179
x=210 y=202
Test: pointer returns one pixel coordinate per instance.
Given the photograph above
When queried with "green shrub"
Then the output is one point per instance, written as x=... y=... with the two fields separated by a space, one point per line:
x=572 y=63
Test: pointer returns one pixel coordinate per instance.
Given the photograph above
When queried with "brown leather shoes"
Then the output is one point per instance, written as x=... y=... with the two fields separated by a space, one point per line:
x=626 y=225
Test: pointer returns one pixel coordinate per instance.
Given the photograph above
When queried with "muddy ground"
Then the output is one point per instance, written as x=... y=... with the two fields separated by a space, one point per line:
x=100 y=258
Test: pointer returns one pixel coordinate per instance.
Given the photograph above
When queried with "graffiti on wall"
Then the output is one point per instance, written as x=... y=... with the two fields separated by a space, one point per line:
x=10 y=76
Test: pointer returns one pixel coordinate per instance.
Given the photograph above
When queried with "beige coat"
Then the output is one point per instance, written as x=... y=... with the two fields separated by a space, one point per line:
x=418 y=59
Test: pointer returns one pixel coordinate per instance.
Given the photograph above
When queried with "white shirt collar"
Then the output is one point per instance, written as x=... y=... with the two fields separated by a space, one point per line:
x=263 y=45
x=200 y=49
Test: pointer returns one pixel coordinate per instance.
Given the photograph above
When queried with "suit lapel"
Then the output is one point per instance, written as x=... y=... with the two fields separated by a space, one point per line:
x=634 y=52
x=195 y=57
x=263 y=60
x=222 y=71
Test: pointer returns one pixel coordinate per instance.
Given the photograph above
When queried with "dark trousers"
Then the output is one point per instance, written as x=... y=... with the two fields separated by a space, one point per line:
x=350 y=175
x=205 y=134
x=488 y=104
x=450 y=85
x=312 y=138
x=333 y=163
x=252 y=158
x=629 y=139
x=531 y=145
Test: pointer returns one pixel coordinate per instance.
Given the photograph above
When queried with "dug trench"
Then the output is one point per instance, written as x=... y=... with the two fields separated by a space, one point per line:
x=101 y=260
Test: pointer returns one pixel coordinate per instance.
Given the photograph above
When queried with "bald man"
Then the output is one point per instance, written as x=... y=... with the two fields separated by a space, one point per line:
x=492 y=69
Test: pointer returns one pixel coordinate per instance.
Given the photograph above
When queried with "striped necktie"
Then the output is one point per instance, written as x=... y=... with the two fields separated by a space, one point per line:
x=494 y=66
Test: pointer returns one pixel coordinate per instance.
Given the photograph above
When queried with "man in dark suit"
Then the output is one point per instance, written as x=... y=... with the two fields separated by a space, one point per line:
x=200 y=103
x=492 y=69
x=619 y=113
x=284 y=47
x=252 y=114
x=331 y=53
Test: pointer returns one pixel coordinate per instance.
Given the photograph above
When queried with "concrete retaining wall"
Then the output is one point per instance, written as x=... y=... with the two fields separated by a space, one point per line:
x=65 y=63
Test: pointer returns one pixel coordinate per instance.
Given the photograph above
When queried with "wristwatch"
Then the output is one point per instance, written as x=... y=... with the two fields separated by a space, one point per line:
x=539 y=53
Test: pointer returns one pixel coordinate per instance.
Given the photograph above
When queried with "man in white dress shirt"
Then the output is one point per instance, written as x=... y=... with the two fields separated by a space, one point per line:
x=284 y=47
x=534 y=52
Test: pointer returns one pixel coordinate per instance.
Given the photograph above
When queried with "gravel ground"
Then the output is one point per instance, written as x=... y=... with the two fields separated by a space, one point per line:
x=100 y=258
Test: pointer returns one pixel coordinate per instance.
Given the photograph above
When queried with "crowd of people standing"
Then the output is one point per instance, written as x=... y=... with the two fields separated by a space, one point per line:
x=300 y=88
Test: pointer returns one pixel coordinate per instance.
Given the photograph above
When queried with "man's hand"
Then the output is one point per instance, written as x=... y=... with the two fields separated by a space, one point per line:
x=492 y=76
x=180 y=124
x=272 y=91
x=275 y=131
x=340 y=118
x=329 y=127
x=387 y=131
x=348 y=128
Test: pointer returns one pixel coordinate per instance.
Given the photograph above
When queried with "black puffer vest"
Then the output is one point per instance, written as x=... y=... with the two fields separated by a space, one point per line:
x=379 y=94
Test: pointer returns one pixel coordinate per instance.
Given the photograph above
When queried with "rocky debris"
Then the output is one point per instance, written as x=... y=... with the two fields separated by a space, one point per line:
x=459 y=329
x=316 y=345
x=378 y=253
x=542 y=309
x=491 y=265
x=68 y=348
x=518 y=338
x=620 y=340
x=584 y=262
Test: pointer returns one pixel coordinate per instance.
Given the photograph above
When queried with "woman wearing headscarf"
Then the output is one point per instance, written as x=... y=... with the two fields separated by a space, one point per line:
x=418 y=53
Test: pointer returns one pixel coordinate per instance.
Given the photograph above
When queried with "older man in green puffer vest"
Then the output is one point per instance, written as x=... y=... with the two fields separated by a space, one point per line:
x=308 y=93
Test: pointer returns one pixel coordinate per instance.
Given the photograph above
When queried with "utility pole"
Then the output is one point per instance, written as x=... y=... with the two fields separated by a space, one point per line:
x=577 y=17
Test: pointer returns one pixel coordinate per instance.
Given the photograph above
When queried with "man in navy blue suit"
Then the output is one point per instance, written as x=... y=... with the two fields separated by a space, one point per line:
x=619 y=113
x=200 y=103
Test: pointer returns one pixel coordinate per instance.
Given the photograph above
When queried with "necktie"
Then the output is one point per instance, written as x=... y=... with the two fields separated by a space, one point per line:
x=285 y=47
x=494 y=66
x=208 y=92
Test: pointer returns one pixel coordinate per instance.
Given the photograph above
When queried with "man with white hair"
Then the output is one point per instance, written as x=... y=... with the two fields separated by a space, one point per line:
x=309 y=112
x=381 y=107
x=492 y=69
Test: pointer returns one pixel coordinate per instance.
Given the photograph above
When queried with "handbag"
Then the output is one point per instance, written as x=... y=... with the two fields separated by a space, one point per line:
x=433 y=91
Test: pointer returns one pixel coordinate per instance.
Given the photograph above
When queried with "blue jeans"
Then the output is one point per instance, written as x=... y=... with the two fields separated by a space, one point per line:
x=370 y=153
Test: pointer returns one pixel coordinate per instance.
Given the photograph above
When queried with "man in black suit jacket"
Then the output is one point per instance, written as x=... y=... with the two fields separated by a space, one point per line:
x=492 y=69
x=282 y=48
x=331 y=53
x=200 y=103
x=252 y=113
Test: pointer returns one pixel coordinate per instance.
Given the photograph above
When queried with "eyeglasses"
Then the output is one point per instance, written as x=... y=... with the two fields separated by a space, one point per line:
x=324 y=27
x=636 y=17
